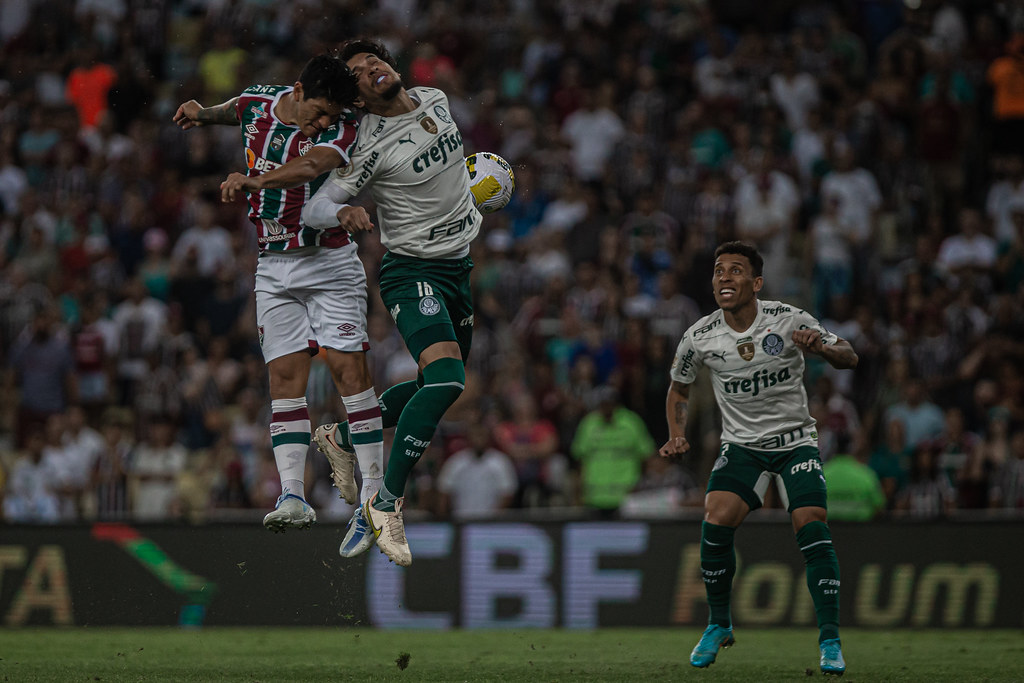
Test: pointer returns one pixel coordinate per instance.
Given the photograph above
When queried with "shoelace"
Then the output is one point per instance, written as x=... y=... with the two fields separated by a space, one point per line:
x=396 y=527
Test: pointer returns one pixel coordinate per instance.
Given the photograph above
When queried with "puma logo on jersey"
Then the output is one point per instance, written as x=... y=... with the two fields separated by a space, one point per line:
x=407 y=138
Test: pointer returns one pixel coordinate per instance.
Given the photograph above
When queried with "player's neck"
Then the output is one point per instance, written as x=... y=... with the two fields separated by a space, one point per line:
x=286 y=110
x=742 y=318
x=402 y=103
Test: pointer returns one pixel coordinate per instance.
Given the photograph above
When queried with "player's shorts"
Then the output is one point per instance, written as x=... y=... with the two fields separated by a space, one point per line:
x=430 y=300
x=311 y=299
x=747 y=472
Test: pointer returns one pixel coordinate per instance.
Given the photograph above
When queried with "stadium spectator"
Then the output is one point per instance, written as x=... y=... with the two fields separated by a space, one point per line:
x=531 y=441
x=31 y=495
x=1006 y=76
x=922 y=419
x=929 y=494
x=478 y=480
x=968 y=256
x=854 y=492
x=87 y=87
x=109 y=481
x=42 y=371
x=611 y=445
x=153 y=472
x=207 y=242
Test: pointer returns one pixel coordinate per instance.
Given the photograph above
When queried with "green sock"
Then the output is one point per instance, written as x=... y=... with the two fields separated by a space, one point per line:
x=443 y=382
x=815 y=543
x=392 y=401
x=717 y=567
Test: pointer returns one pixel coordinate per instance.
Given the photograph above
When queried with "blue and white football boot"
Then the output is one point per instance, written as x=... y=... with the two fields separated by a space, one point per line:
x=714 y=638
x=358 y=536
x=832 y=662
x=291 y=512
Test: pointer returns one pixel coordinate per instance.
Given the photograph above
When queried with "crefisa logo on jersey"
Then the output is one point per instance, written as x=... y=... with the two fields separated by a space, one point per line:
x=745 y=347
x=772 y=344
x=429 y=306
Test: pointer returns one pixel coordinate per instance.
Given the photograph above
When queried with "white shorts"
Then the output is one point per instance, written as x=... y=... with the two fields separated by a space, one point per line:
x=313 y=299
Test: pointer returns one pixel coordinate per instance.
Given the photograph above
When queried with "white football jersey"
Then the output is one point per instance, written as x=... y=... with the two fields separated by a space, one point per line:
x=757 y=375
x=415 y=169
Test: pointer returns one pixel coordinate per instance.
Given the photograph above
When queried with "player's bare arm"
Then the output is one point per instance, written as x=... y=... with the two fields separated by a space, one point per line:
x=191 y=114
x=839 y=355
x=296 y=172
x=677 y=406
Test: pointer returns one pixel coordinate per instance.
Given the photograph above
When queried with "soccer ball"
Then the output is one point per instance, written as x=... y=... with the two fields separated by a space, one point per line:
x=491 y=180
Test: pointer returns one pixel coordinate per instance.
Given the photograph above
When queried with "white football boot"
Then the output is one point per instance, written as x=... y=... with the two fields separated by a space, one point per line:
x=389 y=530
x=343 y=462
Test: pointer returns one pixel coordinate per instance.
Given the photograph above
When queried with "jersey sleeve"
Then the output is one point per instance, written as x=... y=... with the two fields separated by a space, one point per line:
x=341 y=137
x=363 y=166
x=687 y=361
x=804 y=320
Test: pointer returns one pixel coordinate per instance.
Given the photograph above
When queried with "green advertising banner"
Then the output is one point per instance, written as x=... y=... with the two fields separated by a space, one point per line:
x=500 y=575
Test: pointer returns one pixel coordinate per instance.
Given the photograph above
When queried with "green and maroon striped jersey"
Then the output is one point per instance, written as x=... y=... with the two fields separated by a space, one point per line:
x=270 y=143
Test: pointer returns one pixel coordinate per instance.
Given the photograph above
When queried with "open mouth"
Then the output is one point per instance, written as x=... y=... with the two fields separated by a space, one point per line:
x=380 y=79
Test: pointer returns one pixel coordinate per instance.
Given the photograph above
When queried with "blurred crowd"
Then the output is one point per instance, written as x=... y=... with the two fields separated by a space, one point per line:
x=872 y=150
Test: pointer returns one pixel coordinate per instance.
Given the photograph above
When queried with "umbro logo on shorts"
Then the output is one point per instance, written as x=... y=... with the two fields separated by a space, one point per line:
x=347 y=329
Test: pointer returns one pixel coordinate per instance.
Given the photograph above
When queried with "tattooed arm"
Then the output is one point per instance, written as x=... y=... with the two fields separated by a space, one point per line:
x=191 y=114
x=677 y=406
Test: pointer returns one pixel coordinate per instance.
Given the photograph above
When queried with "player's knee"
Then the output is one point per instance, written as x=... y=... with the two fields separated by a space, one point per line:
x=444 y=379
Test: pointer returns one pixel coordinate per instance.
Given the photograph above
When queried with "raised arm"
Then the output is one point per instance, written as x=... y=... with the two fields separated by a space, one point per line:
x=299 y=171
x=192 y=114
x=677 y=407
x=840 y=355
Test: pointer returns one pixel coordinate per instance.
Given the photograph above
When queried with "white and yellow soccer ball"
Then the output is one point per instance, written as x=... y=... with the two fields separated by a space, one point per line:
x=491 y=180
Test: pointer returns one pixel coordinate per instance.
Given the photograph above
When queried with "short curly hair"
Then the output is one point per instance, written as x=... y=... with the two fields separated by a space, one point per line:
x=351 y=48
x=743 y=249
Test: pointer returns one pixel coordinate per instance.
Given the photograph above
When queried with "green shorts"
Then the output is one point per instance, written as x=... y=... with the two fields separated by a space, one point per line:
x=747 y=473
x=430 y=300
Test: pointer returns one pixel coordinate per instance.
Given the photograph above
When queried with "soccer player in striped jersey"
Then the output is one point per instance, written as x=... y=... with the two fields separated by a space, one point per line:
x=409 y=157
x=755 y=352
x=310 y=283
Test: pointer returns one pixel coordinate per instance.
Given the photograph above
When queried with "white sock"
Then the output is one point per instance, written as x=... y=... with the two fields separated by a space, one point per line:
x=367 y=432
x=370 y=486
x=289 y=435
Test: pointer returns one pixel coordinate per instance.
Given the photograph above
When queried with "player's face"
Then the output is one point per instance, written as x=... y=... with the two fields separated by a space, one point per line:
x=378 y=82
x=734 y=283
x=317 y=114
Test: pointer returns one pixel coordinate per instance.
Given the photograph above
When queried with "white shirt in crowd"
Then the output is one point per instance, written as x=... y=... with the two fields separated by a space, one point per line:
x=477 y=483
x=859 y=198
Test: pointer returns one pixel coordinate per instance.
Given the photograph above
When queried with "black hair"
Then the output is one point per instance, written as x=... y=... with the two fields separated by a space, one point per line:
x=351 y=48
x=743 y=249
x=328 y=77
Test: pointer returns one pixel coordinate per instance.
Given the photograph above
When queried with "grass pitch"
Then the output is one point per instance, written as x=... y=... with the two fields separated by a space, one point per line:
x=266 y=655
